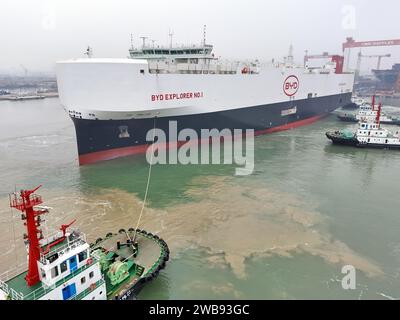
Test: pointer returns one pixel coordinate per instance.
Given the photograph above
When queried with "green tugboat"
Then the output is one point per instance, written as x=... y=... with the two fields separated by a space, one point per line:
x=344 y=137
x=64 y=266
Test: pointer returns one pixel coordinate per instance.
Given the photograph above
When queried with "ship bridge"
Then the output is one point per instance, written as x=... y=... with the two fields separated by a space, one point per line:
x=192 y=59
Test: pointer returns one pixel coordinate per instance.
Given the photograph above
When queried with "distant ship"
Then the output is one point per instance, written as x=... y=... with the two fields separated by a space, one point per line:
x=388 y=87
x=115 y=102
x=355 y=103
x=366 y=110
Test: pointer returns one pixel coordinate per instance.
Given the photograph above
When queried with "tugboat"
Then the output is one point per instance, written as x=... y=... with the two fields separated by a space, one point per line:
x=64 y=266
x=368 y=135
x=354 y=104
x=366 y=111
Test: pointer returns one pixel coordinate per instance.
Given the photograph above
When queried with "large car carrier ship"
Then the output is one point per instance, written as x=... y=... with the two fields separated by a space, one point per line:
x=115 y=102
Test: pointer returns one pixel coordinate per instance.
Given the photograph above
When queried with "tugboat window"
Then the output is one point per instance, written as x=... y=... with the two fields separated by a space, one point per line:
x=63 y=266
x=91 y=274
x=54 y=272
x=82 y=256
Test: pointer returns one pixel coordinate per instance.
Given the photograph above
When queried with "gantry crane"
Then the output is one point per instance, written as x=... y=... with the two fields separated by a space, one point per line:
x=351 y=43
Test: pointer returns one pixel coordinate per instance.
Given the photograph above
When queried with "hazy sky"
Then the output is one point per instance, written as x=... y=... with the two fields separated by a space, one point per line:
x=36 y=33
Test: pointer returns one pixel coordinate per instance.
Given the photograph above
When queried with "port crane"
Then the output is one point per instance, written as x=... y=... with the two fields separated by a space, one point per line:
x=25 y=70
x=351 y=43
x=379 y=56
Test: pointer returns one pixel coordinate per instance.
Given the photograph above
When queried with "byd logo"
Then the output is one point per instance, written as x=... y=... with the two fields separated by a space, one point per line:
x=291 y=85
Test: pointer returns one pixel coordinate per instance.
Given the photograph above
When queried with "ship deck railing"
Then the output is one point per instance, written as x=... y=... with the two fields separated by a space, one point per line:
x=10 y=274
x=79 y=239
x=191 y=68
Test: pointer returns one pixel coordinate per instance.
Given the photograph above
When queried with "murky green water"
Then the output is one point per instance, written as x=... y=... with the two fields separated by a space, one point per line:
x=348 y=197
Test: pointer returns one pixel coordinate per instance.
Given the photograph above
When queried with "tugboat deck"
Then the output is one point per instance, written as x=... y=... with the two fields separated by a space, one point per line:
x=18 y=283
x=149 y=255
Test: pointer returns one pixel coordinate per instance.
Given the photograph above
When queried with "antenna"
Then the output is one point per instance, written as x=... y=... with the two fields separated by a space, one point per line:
x=171 y=34
x=153 y=41
x=144 y=41
x=290 y=56
x=204 y=34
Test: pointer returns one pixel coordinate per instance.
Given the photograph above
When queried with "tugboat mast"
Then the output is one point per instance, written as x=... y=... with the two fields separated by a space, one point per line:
x=25 y=202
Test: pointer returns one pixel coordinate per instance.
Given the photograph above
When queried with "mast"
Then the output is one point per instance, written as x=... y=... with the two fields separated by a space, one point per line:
x=144 y=41
x=132 y=41
x=170 y=34
x=204 y=35
x=373 y=103
x=25 y=202
x=378 y=115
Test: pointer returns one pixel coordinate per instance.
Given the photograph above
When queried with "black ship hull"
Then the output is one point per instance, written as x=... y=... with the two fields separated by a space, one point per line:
x=108 y=139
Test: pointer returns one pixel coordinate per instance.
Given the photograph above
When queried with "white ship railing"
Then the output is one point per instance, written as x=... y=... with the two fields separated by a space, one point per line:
x=77 y=241
x=9 y=274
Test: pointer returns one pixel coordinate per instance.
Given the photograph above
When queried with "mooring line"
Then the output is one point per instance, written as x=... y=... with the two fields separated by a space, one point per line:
x=148 y=181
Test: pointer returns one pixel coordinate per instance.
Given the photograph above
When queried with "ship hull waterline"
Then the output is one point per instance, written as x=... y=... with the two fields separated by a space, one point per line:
x=100 y=140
